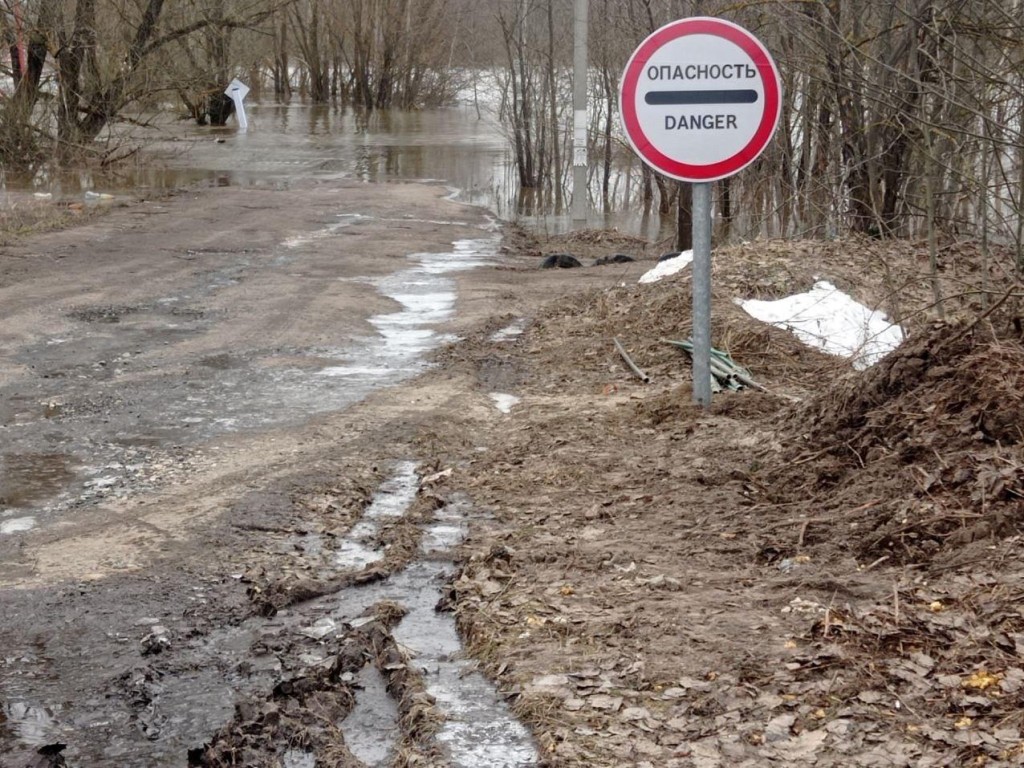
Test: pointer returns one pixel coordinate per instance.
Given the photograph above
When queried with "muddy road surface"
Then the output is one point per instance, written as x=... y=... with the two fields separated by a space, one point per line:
x=218 y=539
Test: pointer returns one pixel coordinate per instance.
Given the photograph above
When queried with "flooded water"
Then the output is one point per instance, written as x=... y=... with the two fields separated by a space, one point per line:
x=463 y=146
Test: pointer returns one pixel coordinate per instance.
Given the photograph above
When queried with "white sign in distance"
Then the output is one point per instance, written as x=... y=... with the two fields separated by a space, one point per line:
x=700 y=99
x=237 y=91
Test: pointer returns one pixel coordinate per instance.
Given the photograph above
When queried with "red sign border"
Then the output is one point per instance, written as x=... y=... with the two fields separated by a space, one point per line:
x=701 y=25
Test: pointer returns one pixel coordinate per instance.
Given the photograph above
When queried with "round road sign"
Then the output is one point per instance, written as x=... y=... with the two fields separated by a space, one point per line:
x=700 y=99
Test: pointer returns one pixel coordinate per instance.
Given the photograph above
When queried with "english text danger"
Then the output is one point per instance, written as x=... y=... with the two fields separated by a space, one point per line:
x=699 y=122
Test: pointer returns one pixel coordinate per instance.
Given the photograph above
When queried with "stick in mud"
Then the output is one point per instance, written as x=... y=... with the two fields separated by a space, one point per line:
x=632 y=366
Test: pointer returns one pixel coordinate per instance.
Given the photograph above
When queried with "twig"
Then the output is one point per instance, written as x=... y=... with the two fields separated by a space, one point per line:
x=800 y=538
x=970 y=327
x=828 y=612
x=812 y=457
x=828 y=519
x=632 y=366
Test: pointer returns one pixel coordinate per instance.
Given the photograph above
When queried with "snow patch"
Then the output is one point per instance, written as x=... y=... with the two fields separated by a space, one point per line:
x=834 y=322
x=509 y=332
x=667 y=267
x=17 y=525
x=503 y=402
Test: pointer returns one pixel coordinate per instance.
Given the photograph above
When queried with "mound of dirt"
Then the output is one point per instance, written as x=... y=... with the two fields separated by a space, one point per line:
x=928 y=444
x=645 y=318
x=761 y=582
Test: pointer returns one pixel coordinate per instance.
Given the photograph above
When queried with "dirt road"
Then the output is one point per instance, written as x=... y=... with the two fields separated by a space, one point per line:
x=193 y=391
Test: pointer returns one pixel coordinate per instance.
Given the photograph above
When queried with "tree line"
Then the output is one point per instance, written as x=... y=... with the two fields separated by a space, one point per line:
x=900 y=118
x=75 y=68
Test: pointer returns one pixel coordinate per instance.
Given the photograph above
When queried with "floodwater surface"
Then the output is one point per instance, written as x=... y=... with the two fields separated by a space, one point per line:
x=464 y=146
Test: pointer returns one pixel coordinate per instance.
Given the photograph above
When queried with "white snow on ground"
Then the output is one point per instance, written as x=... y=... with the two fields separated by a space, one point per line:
x=667 y=267
x=832 y=321
x=504 y=403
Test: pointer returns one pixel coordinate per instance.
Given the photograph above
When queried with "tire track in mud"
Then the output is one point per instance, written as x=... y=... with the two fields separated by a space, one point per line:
x=386 y=617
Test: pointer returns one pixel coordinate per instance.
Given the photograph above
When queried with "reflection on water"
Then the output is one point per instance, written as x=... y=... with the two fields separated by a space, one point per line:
x=291 y=142
x=30 y=724
x=26 y=478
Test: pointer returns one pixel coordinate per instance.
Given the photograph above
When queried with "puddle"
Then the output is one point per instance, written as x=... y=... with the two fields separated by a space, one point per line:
x=427 y=297
x=479 y=729
x=33 y=726
x=371 y=728
x=26 y=478
x=320 y=629
x=18 y=410
x=293 y=758
x=390 y=502
x=184 y=708
x=355 y=551
x=448 y=530
x=504 y=403
x=345 y=220
x=510 y=332
x=17 y=525
x=311 y=544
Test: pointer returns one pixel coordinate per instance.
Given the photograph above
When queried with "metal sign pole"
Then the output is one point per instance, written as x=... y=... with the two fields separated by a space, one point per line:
x=701 y=267
x=579 y=103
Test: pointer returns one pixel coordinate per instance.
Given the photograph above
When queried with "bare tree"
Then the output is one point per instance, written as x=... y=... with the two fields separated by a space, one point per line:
x=107 y=56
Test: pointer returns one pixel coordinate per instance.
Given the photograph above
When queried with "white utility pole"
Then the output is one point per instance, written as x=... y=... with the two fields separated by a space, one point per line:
x=580 y=123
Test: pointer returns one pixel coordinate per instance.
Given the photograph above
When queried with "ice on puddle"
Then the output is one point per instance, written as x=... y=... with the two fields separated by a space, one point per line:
x=504 y=403
x=17 y=525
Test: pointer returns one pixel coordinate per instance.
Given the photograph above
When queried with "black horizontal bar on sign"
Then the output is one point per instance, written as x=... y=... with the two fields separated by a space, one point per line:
x=743 y=96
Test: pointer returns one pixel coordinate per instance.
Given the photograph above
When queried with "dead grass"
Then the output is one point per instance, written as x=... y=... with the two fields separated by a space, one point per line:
x=761 y=582
x=26 y=217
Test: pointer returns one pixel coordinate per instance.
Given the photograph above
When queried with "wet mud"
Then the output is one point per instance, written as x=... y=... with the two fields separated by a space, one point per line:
x=202 y=551
x=125 y=421
x=377 y=671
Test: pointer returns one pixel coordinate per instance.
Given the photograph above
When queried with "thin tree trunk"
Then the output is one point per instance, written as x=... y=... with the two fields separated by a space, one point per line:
x=684 y=216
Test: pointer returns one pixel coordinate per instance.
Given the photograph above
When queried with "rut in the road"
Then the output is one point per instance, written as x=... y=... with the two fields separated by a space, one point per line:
x=383 y=620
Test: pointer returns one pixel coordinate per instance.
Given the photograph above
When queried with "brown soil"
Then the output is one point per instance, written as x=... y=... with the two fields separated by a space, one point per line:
x=831 y=582
x=826 y=573
x=22 y=214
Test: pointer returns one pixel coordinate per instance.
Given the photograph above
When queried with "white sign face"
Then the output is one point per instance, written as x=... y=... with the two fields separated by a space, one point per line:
x=700 y=99
x=237 y=90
